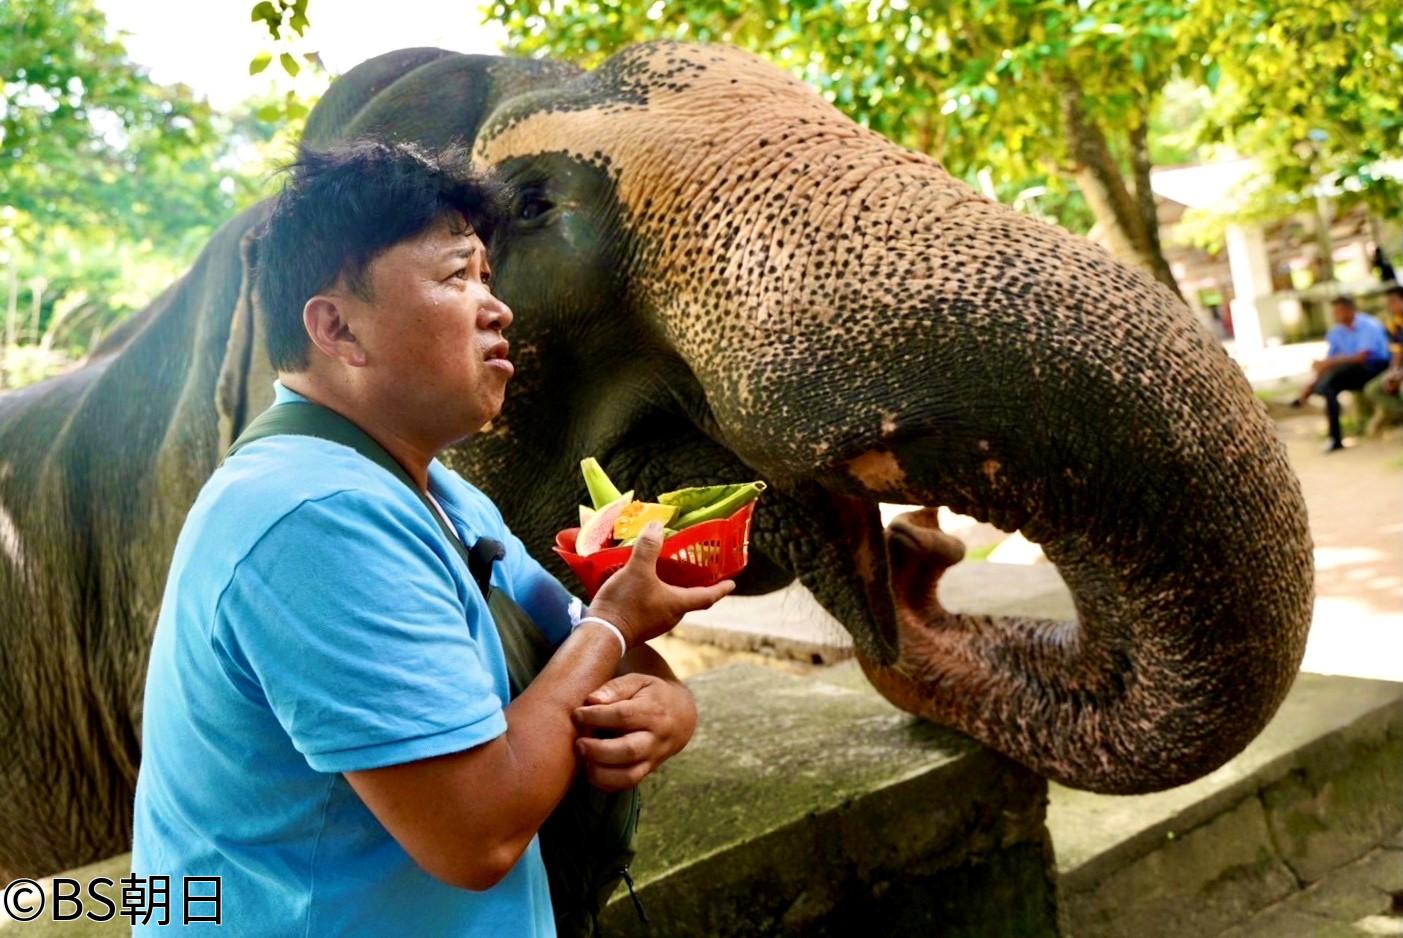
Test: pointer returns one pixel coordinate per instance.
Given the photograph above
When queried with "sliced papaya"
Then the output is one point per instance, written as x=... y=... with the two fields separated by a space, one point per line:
x=635 y=517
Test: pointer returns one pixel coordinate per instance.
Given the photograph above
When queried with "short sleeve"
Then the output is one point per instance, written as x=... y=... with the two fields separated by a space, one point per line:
x=353 y=628
x=549 y=604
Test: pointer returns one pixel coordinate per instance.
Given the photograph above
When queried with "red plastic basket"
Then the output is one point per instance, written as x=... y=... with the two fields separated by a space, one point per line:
x=701 y=555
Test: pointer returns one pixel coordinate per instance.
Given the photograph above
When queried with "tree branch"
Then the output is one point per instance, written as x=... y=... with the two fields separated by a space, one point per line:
x=1122 y=218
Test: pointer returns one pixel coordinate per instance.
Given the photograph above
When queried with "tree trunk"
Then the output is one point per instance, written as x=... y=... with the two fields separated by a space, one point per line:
x=1145 y=201
x=1324 y=244
x=1121 y=215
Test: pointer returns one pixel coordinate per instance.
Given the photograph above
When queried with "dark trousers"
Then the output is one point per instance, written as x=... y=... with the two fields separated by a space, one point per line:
x=1344 y=378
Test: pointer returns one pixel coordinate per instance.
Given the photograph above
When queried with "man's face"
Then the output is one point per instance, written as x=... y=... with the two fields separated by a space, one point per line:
x=1395 y=305
x=1344 y=313
x=432 y=334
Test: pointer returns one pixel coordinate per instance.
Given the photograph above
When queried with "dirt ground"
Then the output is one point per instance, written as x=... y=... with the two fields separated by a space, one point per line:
x=1355 y=501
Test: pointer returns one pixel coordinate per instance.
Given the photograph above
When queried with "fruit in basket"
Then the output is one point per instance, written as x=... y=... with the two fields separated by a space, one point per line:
x=725 y=504
x=636 y=516
x=698 y=557
x=601 y=490
x=599 y=530
x=693 y=498
x=616 y=520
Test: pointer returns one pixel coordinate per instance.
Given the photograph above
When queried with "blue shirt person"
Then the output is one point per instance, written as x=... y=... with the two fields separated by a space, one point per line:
x=328 y=724
x=1363 y=334
x=315 y=622
x=1356 y=351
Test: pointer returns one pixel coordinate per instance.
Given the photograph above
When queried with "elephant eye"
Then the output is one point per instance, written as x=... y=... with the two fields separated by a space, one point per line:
x=533 y=206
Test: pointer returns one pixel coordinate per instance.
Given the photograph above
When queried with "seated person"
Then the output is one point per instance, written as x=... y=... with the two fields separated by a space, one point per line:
x=1382 y=392
x=1357 y=351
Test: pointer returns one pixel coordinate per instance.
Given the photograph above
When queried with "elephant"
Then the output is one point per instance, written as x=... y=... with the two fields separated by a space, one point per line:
x=718 y=276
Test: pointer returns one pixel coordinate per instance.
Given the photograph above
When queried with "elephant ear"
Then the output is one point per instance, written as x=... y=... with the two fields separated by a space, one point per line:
x=245 y=386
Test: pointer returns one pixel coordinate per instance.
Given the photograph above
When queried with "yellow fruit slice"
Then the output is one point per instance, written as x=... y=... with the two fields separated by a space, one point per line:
x=634 y=518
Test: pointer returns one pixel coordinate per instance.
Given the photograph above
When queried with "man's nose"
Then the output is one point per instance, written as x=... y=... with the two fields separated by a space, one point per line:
x=496 y=315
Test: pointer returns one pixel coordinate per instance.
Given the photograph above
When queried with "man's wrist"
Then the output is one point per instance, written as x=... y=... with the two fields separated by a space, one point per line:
x=603 y=623
x=615 y=617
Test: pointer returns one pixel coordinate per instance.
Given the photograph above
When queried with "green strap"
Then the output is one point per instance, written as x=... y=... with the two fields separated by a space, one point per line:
x=523 y=643
x=303 y=418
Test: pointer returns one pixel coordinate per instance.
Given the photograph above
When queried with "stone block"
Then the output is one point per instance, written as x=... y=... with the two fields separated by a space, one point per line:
x=806 y=807
x=1320 y=787
x=1192 y=885
x=1344 y=798
x=1364 y=887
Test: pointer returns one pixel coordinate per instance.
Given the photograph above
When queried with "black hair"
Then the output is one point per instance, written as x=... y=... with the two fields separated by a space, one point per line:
x=1394 y=290
x=341 y=208
x=1344 y=299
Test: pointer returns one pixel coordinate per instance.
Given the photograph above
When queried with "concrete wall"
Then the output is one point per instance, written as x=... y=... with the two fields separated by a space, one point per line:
x=805 y=807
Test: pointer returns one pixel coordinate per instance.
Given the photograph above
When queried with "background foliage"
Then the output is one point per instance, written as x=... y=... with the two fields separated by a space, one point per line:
x=109 y=183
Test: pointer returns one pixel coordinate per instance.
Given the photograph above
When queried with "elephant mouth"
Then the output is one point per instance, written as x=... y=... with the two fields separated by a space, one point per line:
x=918 y=554
x=898 y=567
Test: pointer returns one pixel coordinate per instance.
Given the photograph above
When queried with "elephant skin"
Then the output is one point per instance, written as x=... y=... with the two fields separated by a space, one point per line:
x=716 y=276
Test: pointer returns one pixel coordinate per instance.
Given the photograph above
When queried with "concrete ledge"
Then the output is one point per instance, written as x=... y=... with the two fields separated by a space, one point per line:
x=808 y=807
x=45 y=927
x=1353 y=902
x=1322 y=786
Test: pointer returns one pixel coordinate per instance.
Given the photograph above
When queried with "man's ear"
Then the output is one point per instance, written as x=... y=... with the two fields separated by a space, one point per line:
x=325 y=317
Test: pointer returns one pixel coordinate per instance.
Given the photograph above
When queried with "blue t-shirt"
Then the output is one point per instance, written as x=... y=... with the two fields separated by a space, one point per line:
x=316 y=621
x=1365 y=334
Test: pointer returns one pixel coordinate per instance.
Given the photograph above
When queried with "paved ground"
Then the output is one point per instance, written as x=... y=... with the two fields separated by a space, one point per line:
x=1355 y=500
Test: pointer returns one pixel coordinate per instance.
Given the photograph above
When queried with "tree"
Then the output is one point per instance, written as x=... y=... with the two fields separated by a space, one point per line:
x=88 y=140
x=1036 y=90
x=1312 y=90
x=109 y=183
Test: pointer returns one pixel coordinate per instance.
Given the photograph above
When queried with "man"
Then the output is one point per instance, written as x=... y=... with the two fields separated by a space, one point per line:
x=328 y=724
x=1382 y=393
x=1356 y=351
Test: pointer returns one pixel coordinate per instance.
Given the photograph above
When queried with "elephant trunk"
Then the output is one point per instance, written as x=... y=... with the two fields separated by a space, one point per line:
x=1011 y=371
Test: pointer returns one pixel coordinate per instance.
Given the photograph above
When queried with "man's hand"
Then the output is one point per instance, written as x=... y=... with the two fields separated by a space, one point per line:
x=643 y=606
x=650 y=720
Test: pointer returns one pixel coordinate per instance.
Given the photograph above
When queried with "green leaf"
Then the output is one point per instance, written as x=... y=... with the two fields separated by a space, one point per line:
x=265 y=13
x=269 y=113
x=1211 y=75
x=259 y=62
x=289 y=64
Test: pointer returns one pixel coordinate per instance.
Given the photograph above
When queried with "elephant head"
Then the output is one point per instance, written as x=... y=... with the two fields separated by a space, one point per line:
x=716 y=275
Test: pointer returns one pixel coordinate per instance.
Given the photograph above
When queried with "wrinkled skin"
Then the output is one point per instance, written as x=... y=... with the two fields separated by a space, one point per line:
x=716 y=276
